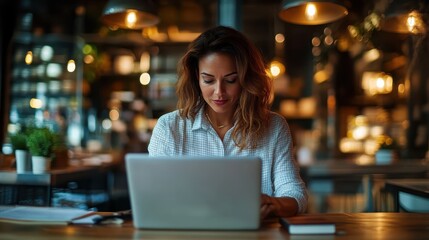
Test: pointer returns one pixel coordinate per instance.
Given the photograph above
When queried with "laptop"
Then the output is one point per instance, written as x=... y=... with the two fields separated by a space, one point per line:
x=194 y=193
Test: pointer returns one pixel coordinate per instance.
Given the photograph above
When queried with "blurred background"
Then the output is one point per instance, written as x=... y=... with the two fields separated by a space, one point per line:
x=350 y=83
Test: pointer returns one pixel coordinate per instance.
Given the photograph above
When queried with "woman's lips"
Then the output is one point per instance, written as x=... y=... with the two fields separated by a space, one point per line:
x=219 y=102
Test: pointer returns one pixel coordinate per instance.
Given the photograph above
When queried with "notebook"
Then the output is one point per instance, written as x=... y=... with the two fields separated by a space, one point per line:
x=308 y=225
x=194 y=193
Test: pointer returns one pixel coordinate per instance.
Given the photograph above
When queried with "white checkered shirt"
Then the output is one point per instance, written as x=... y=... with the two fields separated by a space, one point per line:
x=280 y=172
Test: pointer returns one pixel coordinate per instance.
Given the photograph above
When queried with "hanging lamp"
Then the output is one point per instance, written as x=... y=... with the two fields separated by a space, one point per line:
x=409 y=17
x=314 y=12
x=130 y=14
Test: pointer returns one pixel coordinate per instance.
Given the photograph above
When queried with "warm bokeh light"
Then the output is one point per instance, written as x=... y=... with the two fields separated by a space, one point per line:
x=88 y=59
x=145 y=78
x=376 y=83
x=343 y=44
x=321 y=76
x=114 y=114
x=315 y=41
x=411 y=23
x=131 y=19
x=371 y=55
x=401 y=89
x=353 y=31
x=36 y=103
x=370 y=146
x=414 y=22
x=376 y=131
x=153 y=34
x=175 y=35
x=327 y=31
x=71 y=65
x=310 y=11
x=145 y=62
x=360 y=132
x=307 y=107
x=29 y=57
x=329 y=40
x=276 y=68
x=124 y=64
x=364 y=160
x=379 y=82
x=361 y=120
x=280 y=38
x=348 y=145
x=357 y=127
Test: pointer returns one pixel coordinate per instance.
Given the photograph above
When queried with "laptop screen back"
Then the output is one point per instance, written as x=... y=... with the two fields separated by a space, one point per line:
x=187 y=192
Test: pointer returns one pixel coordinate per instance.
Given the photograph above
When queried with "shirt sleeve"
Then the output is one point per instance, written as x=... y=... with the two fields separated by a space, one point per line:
x=161 y=138
x=286 y=172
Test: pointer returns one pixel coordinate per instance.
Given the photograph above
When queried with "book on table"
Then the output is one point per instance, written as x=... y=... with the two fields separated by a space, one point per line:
x=43 y=215
x=308 y=225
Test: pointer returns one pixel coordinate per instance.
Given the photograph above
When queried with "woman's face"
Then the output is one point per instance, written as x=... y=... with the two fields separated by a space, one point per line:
x=218 y=80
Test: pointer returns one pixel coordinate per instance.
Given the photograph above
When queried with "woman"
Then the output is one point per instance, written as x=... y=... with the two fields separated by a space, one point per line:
x=223 y=109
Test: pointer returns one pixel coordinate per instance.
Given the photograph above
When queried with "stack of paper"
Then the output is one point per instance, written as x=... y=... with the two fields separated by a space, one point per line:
x=43 y=215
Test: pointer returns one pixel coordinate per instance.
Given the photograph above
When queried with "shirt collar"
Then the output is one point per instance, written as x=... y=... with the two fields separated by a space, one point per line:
x=200 y=121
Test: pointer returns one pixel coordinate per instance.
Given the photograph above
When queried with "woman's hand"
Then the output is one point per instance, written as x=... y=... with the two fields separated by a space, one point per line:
x=278 y=206
x=267 y=207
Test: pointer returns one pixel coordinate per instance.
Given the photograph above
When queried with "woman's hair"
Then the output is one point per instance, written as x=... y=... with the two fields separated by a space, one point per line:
x=252 y=113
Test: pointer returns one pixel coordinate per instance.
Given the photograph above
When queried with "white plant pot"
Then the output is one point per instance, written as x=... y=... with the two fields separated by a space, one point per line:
x=23 y=161
x=41 y=164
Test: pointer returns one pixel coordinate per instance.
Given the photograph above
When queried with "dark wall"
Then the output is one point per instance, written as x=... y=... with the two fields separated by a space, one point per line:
x=8 y=10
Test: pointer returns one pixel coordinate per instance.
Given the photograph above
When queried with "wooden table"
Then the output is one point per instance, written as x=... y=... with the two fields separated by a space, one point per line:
x=330 y=177
x=418 y=187
x=349 y=226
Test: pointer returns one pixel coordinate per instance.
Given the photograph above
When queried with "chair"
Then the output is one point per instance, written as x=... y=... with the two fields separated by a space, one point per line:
x=412 y=203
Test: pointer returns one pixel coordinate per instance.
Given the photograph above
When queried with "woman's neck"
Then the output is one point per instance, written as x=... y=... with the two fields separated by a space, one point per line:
x=219 y=121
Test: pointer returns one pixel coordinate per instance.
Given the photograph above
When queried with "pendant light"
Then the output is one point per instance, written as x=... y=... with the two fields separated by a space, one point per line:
x=409 y=17
x=130 y=14
x=313 y=12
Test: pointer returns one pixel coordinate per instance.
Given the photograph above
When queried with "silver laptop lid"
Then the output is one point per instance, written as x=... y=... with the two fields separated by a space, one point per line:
x=216 y=193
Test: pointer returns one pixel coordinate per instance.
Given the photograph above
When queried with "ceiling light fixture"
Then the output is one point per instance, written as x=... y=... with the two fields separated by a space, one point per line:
x=315 y=12
x=406 y=17
x=130 y=14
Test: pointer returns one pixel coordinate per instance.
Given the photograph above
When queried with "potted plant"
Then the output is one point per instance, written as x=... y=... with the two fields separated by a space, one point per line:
x=387 y=152
x=18 y=140
x=22 y=155
x=41 y=142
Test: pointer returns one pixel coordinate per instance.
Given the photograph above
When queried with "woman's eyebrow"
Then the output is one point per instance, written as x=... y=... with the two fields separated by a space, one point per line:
x=210 y=75
x=206 y=74
x=229 y=74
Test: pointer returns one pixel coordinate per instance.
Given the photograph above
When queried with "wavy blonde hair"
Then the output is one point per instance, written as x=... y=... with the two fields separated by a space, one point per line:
x=252 y=114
